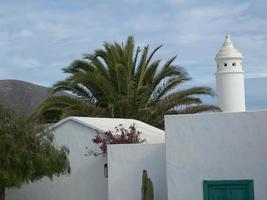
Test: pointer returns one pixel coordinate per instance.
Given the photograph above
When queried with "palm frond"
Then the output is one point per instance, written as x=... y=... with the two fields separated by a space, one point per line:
x=121 y=80
x=79 y=66
x=196 y=109
x=152 y=54
x=141 y=67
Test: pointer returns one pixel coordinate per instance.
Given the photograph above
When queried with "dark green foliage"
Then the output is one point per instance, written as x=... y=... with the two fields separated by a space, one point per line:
x=147 y=187
x=123 y=81
x=27 y=151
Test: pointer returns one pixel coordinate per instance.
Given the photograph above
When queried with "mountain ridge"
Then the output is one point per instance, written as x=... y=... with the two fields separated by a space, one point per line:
x=22 y=95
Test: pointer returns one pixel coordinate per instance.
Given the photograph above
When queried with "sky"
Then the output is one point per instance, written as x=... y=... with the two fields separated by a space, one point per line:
x=40 y=37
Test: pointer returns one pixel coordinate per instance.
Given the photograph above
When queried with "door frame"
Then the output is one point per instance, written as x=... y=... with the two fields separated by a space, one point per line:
x=208 y=183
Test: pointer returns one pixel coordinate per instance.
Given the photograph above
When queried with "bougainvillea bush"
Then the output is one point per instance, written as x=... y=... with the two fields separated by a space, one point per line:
x=121 y=135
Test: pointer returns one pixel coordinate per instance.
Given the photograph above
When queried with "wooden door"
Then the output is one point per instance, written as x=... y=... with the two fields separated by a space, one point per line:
x=228 y=190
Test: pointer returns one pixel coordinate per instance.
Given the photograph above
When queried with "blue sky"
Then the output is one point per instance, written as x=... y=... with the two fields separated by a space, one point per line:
x=38 y=38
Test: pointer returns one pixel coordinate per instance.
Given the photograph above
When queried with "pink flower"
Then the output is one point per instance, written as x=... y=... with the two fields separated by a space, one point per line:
x=125 y=136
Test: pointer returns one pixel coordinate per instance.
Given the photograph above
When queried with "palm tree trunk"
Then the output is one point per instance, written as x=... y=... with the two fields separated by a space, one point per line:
x=2 y=194
x=112 y=111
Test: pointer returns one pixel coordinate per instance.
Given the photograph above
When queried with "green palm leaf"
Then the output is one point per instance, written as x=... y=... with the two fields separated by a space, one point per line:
x=122 y=80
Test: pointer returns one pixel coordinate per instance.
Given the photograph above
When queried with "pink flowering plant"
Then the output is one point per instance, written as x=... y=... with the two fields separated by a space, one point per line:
x=121 y=135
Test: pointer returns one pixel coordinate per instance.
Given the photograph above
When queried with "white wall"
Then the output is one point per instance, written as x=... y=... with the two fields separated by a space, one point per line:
x=126 y=164
x=217 y=146
x=86 y=181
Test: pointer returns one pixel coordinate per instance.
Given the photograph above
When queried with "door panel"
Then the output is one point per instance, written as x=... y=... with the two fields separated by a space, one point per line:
x=228 y=190
x=238 y=194
x=218 y=194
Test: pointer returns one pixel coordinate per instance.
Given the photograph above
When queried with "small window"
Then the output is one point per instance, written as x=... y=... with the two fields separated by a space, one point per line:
x=234 y=64
x=217 y=65
x=225 y=64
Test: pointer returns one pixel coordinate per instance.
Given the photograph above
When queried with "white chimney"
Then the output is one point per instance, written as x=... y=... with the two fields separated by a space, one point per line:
x=230 y=78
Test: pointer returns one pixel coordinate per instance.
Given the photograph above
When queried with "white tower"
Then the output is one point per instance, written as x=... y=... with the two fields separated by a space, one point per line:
x=230 y=78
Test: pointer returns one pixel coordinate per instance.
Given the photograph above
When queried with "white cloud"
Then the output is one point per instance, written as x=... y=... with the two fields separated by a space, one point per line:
x=48 y=36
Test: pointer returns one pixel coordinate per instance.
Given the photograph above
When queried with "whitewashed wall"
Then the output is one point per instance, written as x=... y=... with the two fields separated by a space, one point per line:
x=217 y=146
x=126 y=164
x=86 y=181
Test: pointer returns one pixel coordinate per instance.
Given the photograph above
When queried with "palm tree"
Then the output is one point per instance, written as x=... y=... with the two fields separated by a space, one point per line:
x=123 y=81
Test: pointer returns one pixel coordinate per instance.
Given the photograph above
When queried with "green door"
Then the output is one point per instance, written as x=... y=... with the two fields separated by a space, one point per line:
x=228 y=190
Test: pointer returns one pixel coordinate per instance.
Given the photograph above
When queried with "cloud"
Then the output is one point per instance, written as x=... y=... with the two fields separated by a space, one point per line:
x=47 y=35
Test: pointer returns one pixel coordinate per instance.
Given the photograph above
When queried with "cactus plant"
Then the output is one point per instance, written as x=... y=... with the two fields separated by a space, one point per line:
x=147 y=187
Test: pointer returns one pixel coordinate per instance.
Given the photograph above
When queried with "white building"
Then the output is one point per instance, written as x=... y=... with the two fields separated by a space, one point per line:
x=215 y=156
x=87 y=180
x=230 y=78
x=218 y=156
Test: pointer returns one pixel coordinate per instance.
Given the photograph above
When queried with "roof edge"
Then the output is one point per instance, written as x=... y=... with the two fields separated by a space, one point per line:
x=76 y=119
